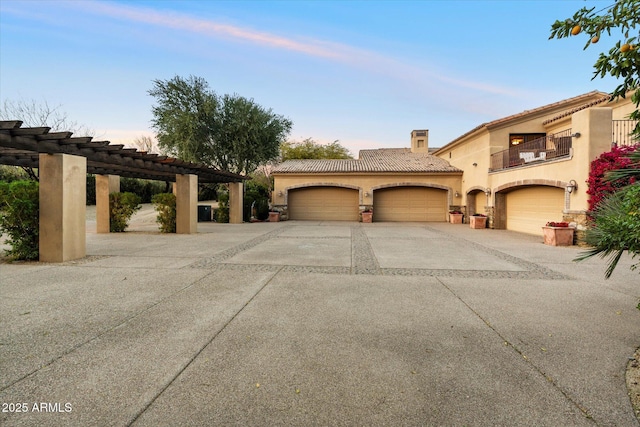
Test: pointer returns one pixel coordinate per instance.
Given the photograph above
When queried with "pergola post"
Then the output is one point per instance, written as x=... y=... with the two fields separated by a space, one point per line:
x=186 y=190
x=235 y=202
x=63 y=197
x=105 y=185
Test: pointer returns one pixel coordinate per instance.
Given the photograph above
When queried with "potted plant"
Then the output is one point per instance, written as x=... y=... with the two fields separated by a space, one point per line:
x=455 y=217
x=274 y=216
x=478 y=221
x=367 y=215
x=558 y=234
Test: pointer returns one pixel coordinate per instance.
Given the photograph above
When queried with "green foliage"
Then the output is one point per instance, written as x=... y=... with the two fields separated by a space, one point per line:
x=165 y=205
x=222 y=213
x=622 y=61
x=309 y=149
x=229 y=132
x=91 y=189
x=256 y=195
x=121 y=207
x=208 y=192
x=144 y=188
x=19 y=218
x=615 y=228
x=12 y=173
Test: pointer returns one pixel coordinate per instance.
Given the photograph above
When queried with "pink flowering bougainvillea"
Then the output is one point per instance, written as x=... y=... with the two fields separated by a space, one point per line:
x=599 y=187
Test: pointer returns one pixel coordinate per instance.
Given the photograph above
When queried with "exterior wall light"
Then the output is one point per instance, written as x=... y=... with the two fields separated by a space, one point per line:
x=280 y=193
x=487 y=192
x=366 y=194
x=576 y=135
x=457 y=194
x=475 y=164
x=573 y=185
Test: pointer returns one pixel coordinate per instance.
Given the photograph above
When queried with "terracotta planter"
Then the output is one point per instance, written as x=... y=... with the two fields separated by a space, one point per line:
x=478 y=222
x=367 y=216
x=558 y=236
x=274 y=216
x=455 y=218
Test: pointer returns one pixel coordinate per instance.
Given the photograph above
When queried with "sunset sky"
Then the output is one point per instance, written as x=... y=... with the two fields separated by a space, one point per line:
x=362 y=72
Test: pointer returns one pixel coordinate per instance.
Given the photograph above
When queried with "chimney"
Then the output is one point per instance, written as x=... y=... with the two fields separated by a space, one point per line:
x=420 y=141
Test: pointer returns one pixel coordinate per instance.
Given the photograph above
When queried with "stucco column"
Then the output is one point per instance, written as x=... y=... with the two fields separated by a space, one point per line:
x=236 y=197
x=594 y=126
x=186 y=204
x=105 y=185
x=63 y=198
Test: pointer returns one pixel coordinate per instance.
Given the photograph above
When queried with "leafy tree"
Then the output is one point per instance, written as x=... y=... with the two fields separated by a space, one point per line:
x=230 y=132
x=310 y=149
x=622 y=61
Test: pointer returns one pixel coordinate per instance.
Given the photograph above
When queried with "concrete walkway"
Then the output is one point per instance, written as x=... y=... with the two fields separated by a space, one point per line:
x=308 y=323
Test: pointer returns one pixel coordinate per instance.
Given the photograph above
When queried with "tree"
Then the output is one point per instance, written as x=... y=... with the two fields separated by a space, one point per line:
x=310 y=149
x=229 y=132
x=34 y=114
x=615 y=222
x=623 y=59
x=145 y=143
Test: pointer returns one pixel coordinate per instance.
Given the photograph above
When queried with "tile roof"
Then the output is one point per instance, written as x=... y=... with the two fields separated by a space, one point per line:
x=591 y=98
x=371 y=161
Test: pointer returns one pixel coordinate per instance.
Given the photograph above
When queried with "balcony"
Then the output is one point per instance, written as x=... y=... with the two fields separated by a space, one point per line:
x=545 y=149
x=621 y=132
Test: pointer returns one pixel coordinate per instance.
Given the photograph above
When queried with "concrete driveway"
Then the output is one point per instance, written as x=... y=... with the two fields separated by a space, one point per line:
x=308 y=323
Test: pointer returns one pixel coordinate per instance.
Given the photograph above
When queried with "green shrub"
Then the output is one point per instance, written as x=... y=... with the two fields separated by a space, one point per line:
x=144 y=188
x=165 y=204
x=12 y=173
x=121 y=207
x=256 y=196
x=20 y=217
x=615 y=228
x=222 y=213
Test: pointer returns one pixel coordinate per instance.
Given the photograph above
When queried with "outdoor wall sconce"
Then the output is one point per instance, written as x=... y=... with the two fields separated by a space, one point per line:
x=280 y=193
x=576 y=135
x=457 y=194
x=487 y=192
x=366 y=194
x=573 y=185
x=475 y=164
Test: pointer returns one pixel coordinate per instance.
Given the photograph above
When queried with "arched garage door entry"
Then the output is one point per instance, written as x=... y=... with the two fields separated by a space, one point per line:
x=323 y=203
x=404 y=204
x=528 y=209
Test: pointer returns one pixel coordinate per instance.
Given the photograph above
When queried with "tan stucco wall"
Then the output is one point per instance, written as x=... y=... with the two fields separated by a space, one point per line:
x=236 y=202
x=365 y=183
x=105 y=185
x=594 y=125
x=63 y=186
x=186 y=190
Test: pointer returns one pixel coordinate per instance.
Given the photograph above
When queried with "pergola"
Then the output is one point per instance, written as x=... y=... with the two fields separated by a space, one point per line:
x=63 y=162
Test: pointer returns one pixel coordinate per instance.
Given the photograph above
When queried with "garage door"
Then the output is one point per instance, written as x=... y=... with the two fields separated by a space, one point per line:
x=409 y=204
x=323 y=204
x=530 y=208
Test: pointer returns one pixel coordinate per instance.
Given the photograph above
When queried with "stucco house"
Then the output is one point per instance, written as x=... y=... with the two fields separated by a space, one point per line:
x=521 y=171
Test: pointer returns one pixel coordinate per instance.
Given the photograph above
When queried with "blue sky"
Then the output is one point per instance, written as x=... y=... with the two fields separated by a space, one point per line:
x=365 y=73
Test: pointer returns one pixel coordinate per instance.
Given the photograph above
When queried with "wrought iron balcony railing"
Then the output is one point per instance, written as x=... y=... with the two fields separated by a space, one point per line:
x=545 y=149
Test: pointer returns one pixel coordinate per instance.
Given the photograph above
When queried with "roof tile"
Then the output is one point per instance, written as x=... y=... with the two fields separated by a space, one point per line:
x=371 y=161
